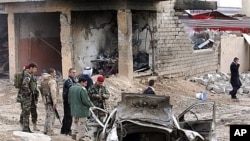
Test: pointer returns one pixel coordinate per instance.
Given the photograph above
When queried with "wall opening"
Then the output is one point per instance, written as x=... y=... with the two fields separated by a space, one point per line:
x=95 y=41
x=142 y=28
x=4 y=51
x=39 y=40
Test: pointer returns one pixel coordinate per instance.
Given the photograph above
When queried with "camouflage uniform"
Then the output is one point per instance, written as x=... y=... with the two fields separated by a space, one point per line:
x=101 y=91
x=50 y=91
x=26 y=100
x=34 y=100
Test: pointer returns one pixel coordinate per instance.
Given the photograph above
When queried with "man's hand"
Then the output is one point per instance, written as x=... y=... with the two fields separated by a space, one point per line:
x=97 y=96
x=104 y=96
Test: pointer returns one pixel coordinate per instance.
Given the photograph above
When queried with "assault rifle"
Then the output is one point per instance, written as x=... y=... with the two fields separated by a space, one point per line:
x=55 y=110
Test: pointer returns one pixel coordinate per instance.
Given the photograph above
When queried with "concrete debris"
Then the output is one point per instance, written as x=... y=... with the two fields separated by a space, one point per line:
x=220 y=82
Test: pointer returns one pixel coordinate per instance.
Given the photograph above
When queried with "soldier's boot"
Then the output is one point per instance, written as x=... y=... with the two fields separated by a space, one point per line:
x=51 y=133
x=27 y=129
x=21 y=125
x=73 y=136
x=35 y=127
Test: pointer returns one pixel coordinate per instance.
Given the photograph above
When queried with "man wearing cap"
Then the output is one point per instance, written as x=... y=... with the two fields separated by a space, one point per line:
x=98 y=93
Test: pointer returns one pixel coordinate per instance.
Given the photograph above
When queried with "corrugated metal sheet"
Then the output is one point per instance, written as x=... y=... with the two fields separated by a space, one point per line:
x=245 y=23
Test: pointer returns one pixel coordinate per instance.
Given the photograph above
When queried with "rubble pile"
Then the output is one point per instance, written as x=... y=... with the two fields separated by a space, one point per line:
x=220 y=82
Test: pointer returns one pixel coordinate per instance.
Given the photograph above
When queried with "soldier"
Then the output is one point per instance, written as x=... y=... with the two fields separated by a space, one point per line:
x=98 y=93
x=67 y=118
x=50 y=91
x=34 y=101
x=27 y=89
x=79 y=105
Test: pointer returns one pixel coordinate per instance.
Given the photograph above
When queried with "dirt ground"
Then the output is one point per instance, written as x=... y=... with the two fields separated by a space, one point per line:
x=182 y=94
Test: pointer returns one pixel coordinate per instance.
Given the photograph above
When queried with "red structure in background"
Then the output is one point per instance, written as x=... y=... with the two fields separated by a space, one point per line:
x=212 y=15
x=215 y=20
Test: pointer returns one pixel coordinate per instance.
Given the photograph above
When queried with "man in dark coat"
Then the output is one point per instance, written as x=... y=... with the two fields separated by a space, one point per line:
x=235 y=77
x=87 y=73
x=150 y=89
x=67 y=118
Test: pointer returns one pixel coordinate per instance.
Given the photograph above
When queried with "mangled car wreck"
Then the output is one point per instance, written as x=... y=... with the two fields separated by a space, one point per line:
x=141 y=117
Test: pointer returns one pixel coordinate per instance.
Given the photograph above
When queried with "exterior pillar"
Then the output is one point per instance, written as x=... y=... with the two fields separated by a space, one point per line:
x=12 y=46
x=125 y=64
x=66 y=42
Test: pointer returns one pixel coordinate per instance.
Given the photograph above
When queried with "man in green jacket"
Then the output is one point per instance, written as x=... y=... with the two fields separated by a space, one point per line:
x=79 y=106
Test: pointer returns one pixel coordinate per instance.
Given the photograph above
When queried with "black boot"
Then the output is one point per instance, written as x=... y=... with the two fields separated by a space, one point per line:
x=27 y=129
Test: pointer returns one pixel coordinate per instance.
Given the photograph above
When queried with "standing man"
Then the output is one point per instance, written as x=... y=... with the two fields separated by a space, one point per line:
x=34 y=100
x=49 y=90
x=67 y=118
x=27 y=89
x=150 y=89
x=79 y=105
x=87 y=73
x=235 y=77
x=98 y=93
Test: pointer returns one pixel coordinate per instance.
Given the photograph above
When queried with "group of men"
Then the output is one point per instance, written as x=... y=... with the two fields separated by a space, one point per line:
x=79 y=94
x=78 y=98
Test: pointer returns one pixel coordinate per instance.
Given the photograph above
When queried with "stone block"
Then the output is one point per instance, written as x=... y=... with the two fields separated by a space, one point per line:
x=202 y=81
x=218 y=89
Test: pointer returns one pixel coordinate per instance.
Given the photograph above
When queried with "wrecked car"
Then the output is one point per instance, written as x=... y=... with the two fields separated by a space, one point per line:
x=140 y=117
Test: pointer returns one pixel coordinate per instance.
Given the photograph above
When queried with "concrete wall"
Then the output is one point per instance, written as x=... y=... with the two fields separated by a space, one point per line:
x=37 y=33
x=175 y=56
x=234 y=47
x=42 y=24
x=93 y=33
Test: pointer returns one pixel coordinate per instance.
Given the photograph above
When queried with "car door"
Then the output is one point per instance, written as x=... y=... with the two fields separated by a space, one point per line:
x=200 y=117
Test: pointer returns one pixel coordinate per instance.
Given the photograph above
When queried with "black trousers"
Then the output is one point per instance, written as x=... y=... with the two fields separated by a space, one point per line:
x=67 y=119
x=234 y=91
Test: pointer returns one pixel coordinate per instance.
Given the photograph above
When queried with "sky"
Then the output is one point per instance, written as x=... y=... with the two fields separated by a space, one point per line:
x=229 y=3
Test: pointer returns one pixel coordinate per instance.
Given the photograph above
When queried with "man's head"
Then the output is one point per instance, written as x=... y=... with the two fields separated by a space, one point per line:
x=100 y=80
x=82 y=81
x=236 y=59
x=32 y=68
x=52 y=72
x=72 y=72
x=151 y=83
x=88 y=71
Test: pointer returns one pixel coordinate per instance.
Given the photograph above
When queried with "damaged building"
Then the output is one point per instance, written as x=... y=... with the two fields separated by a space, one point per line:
x=115 y=36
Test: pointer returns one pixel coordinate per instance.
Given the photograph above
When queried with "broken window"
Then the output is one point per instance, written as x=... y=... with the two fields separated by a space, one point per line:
x=202 y=39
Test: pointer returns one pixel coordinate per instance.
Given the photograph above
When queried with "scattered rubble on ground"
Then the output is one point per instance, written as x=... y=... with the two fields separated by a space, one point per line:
x=220 y=82
x=182 y=94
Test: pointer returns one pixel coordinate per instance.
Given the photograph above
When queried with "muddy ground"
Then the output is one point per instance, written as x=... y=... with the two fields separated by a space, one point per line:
x=181 y=92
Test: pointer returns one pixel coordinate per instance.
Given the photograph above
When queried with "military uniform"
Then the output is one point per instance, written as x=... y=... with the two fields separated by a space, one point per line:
x=34 y=100
x=50 y=91
x=98 y=95
x=27 y=88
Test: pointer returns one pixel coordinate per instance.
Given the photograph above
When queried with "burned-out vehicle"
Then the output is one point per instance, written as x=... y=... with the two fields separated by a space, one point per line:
x=140 y=117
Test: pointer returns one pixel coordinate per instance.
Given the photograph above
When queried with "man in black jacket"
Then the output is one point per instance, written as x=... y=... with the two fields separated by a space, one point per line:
x=67 y=118
x=150 y=89
x=235 y=77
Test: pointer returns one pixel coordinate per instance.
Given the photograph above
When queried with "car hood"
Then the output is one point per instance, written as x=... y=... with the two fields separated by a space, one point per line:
x=146 y=108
